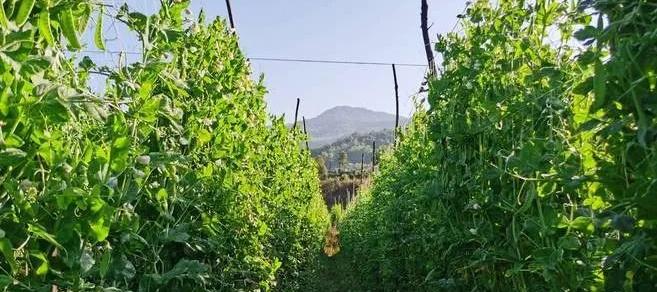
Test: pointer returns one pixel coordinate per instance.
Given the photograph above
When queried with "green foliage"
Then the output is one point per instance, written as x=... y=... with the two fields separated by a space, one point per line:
x=174 y=178
x=337 y=213
x=532 y=170
x=355 y=145
x=322 y=171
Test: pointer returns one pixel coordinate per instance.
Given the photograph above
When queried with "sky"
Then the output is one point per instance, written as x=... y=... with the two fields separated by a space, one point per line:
x=385 y=31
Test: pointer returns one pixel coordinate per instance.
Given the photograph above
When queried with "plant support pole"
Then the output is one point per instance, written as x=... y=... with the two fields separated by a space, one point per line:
x=394 y=74
x=296 y=114
x=373 y=155
x=424 y=15
x=362 y=165
x=305 y=131
x=230 y=14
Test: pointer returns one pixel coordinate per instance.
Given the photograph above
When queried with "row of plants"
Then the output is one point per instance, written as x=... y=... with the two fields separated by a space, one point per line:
x=533 y=168
x=172 y=177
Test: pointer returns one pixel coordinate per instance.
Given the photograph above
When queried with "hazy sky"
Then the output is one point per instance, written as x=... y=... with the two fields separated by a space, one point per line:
x=356 y=30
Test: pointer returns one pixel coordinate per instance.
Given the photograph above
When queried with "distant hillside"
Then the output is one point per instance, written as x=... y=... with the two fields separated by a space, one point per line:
x=342 y=121
x=354 y=145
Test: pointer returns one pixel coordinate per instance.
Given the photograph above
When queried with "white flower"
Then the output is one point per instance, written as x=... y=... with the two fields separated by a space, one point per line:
x=473 y=231
x=154 y=185
x=26 y=184
x=207 y=122
x=468 y=85
x=124 y=108
x=178 y=113
x=168 y=57
x=139 y=173
x=476 y=206
x=67 y=168
x=144 y=160
x=113 y=182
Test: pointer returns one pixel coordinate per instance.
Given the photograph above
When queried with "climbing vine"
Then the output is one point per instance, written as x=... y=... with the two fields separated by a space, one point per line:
x=172 y=177
x=533 y=167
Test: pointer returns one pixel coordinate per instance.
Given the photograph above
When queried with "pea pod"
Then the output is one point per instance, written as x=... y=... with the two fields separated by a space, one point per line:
x=68 y=28
x=98 y=34
x=44 y=27
x=24 y=11
x=4 y=22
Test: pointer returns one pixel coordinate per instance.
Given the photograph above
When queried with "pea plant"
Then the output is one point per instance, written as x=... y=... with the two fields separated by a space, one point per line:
x=174 y=177
x=532 y=168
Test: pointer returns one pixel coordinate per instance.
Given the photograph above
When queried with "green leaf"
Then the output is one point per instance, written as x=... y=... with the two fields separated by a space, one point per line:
x=67 y=197
x=162 y=197
x=177 y=234
x=98 y=33
x=122 y=268
x=120 y=153
x=586 y=33
x=101 y=219
x=42 y=269
x=595 y=202
x=11 y=156
x=24 y=11
x=104 y=264
x=41 y=232
x=204 y=136
x=570 y=242
x=8 y=251
x=69 y=30
x=183 y=269
x=35 y=65
x=599 y=86
x=5 y=281
x=13 y=141
x=584 y=224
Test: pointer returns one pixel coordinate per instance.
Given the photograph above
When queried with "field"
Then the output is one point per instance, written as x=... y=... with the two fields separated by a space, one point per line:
x=531 y=167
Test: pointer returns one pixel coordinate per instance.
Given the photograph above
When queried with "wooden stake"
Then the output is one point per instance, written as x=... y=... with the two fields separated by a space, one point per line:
x=394 y=74
x=373 y=155
x=230 y=14
x=305 y=132
x=362 y=165
x=425 y=36
x=296 y=114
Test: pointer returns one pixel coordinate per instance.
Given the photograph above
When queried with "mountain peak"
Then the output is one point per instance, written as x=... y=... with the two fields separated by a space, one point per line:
x=350 y=111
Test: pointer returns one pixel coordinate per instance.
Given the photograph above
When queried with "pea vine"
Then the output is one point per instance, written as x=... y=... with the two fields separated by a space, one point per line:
x=174 y=177
x=533 y=168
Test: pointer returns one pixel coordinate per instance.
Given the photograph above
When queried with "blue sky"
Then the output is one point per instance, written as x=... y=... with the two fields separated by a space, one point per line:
x=357 y=30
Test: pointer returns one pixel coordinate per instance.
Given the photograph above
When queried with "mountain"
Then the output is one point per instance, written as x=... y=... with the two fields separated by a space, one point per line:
x=342 y=121
x=354 y=145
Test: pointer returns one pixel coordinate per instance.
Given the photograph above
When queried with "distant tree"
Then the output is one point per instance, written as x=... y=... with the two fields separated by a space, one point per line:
x=322 y=171
x=344 y=161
